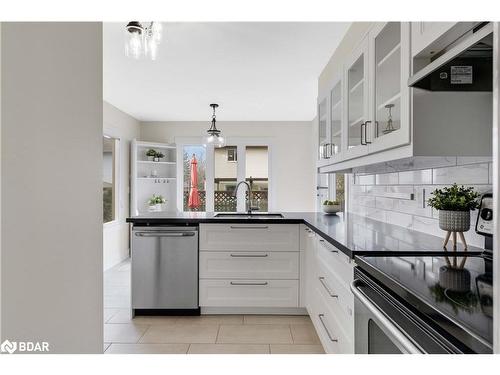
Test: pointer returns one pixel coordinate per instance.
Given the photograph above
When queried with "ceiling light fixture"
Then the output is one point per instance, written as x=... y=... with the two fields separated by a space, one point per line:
x=142 y=41
x=215 y=136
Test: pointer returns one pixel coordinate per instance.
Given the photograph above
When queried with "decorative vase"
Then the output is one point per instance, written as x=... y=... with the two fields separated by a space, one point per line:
x=331 y=208
x=156 y=159
x=156 y=207
x=151 y=158
x=454 y=221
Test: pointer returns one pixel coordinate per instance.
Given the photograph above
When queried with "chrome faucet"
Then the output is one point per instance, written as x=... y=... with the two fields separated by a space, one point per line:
x=249 y=202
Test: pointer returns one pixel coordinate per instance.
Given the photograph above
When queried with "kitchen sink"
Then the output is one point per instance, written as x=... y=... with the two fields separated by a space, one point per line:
x=245 y=215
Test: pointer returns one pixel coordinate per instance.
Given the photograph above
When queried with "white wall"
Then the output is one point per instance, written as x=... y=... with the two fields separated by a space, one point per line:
x=293 y=173
x=116 y=234
x=51 y=185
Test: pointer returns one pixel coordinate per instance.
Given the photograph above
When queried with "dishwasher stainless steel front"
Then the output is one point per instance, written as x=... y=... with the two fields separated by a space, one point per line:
x=165 y=270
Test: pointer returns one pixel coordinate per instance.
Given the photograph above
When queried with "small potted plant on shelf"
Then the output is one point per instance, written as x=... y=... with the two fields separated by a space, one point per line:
x=159 y=156
x=454 y=204
x=156 y=203
x=331 y=207
x=151 y=154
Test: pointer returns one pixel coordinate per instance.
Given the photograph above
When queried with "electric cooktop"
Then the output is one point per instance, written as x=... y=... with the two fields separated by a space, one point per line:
x=453 y=293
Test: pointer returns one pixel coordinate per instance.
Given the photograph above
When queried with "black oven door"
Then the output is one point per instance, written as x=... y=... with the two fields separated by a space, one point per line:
x=383 y=325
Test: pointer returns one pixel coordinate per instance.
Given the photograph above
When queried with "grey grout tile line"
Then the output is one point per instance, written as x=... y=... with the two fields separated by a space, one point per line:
x=147 y=329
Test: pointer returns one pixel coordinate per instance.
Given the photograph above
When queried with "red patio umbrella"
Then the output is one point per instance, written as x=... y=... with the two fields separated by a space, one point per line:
x=194 y=196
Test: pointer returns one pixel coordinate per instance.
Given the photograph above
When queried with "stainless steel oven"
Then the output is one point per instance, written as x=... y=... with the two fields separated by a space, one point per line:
x=384 y=325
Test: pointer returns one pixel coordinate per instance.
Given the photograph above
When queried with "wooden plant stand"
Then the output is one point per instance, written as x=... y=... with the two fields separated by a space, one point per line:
x=454 y=240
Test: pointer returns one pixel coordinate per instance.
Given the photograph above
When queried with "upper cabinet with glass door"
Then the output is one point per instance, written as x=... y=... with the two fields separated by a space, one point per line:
x=389 y=72
x=356 y=102
x=322 y=128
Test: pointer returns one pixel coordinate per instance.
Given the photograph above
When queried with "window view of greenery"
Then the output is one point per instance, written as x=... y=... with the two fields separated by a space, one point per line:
x=340 y=188
x=108 y=176
x=194 y=161
x=225 y=178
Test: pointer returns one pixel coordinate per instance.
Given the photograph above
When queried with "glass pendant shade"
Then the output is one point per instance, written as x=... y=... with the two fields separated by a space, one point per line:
x=142 y=41
x=214 y=136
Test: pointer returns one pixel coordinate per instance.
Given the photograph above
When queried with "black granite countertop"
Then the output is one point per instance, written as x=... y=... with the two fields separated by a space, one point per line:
x=352 y=234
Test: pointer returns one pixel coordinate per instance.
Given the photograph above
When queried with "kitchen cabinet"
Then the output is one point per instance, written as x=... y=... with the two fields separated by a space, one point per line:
x=425 y=33
x=329 y=300
x=369 y=106
x=249 y=267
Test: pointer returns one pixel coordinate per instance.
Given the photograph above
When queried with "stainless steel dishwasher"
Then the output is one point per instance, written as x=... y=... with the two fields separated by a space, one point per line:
x=165 y=270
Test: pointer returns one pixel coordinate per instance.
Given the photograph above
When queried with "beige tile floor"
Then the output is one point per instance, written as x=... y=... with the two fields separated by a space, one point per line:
x=206 y=334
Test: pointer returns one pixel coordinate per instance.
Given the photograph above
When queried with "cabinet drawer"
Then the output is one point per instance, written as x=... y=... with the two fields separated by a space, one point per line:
x=335 y=340
x=249 y=265
x=249 y=237
x=338 y=299
x=249 y=293
x=335 y=260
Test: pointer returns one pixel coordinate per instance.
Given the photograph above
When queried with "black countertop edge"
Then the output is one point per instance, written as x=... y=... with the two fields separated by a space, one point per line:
x=186 y=221
x=468 y=341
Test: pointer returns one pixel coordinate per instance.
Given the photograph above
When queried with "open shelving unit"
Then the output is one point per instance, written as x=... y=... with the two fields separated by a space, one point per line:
x=150 y=177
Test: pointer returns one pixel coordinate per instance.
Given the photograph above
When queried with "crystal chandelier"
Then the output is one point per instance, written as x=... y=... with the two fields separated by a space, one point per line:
x=142 y=41
x=214 y=135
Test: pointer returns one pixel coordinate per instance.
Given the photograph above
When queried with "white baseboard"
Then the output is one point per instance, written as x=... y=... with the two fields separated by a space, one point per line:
x=254 y=310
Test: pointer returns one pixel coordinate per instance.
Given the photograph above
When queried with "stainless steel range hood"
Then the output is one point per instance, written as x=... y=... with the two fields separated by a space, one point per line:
x=465 y=65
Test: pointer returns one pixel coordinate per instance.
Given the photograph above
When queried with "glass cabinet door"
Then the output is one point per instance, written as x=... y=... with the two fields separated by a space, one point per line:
x=322 y=131
x=387 y=80
x=336 y=119
x=356 y=87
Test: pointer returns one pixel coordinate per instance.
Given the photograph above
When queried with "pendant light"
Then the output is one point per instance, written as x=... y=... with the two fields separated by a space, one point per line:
x=214 y=135
x=142 y=41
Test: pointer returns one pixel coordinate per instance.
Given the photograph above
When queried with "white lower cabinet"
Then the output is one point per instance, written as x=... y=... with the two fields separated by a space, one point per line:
x=252 y=265
x=249 y=293
x=330 y=302
x=249 y=266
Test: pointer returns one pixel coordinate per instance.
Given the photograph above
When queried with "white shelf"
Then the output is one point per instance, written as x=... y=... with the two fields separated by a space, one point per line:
x=357 y=85
x=353 y=123
x=156 y=162
x=388 y=56
x=156 y=145
x=389 y=101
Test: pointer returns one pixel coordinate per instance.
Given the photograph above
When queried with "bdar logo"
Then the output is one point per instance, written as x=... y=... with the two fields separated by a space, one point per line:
x=8 y=347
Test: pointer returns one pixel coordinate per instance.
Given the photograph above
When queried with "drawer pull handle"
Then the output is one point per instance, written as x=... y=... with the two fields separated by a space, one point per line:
x=249 y=255
x=248 y=227
x=330 y=250
x=320 y=316
x=242 y=283
x=322 y=281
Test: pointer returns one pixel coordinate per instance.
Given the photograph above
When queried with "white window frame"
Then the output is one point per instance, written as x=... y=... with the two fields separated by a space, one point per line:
x=240 y=143
x=116 y=180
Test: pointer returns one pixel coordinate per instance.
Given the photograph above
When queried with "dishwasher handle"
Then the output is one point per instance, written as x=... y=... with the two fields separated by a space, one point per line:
x=399 y=336
x=165 y=234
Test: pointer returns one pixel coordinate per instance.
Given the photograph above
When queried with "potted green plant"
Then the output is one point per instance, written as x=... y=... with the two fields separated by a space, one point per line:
x=454 y=204
x=331 y=207
x=151 y=154
x=156 y=203
x=159 y=156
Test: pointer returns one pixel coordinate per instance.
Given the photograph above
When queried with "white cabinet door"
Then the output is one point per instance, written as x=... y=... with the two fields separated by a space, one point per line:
x=249 y=293
x=389 y=91
x=355 y=103
x=249 y=237
x=323 y=135
x=251 y=265
x=424 y=33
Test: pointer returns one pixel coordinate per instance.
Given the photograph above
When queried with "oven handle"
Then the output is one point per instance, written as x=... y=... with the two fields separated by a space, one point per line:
x=383 y=320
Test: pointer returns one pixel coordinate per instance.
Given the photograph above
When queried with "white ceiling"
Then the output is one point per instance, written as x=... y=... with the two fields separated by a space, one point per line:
x=255 y=71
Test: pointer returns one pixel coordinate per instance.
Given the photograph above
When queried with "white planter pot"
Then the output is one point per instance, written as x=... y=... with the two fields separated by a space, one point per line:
x=151 y=158
x=156 y=159
x=331 y=208
x=156 y=208
x=454 y=221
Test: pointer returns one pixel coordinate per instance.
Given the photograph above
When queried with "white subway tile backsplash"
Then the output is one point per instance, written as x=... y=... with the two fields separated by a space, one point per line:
x=397 y=192
x=398 y=218
x=423 y=176
x=385 y=203
x=464 y=174
x=387 y=179
x=365 y=179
